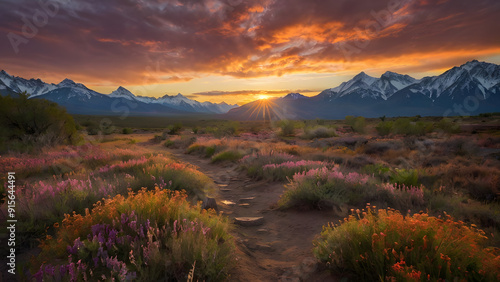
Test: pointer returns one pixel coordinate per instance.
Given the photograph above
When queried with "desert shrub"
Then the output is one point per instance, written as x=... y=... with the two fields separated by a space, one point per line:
x=286 y=170
x=480 y=182
x=408 y=177
x=384 y=128
x=448 y=126
x=349 y=142
x=196 y=129
x=287 y=128
x=384 y=245
x=175 y=129
x=158 y=138
x=406 y=126
x=224 y=129
x=27 y=124
x=456 y=145
x=254 y=163
x=358 y=161
x=318 y=132
x=169 y=143
x=380 y=147
x=230 y=155
x=377 y=170
x=358 y=124
x=127 y=130
x=210 y=151
x=326 y=187
x=134 y=238
x=207 y=147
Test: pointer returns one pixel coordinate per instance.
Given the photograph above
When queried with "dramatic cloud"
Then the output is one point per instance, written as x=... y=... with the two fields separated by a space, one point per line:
x=137 y=42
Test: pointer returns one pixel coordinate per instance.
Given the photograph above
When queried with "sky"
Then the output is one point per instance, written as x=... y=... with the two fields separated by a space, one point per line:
x=238 y=51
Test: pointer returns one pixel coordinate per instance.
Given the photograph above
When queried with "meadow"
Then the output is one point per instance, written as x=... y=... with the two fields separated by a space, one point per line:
x=409 y=199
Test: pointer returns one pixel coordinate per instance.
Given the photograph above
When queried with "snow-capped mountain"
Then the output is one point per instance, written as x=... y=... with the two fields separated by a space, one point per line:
x=469 y=89
x=18 y=84
x=364 y=85
x=79 y=99
x=178 y=101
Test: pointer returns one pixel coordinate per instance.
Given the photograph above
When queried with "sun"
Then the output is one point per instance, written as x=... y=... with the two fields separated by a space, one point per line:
x=263 y=97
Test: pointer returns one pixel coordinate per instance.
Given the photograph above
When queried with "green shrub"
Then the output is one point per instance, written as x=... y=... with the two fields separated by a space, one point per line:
x=358 y=124
x=448 y=126
x=34 y=123
x=210 y=151
x=231 y=156
x=384 y=128
x=384 y=245
x=287 y=128
x=323 y=187
x=149 y=236
x=224 y=129
x=318 y=132
x=408 y=177
x=406 y=126
x=175 y=129
x=127 y=130
x=377 y=170
x=169 y=143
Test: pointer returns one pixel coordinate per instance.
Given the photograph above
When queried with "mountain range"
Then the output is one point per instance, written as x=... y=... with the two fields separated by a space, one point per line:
x=78 y=99
x=469 y=89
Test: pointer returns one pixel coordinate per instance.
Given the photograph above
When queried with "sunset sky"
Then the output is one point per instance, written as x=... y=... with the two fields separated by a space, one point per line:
x=237 y=51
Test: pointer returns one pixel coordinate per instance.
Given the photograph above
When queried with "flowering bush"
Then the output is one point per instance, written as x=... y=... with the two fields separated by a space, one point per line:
x=285 y=170
x=42 y=203
x=151 y=236
x=254 y=163
x=385 y=245
x=330 y=186
x=321 y=186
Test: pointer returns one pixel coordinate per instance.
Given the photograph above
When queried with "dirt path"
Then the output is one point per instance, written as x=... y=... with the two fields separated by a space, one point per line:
x=280 y=249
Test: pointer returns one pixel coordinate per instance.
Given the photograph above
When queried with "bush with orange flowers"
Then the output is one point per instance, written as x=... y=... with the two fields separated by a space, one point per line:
x=385 y=245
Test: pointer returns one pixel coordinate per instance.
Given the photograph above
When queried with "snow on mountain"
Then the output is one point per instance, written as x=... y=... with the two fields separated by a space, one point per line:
x=122 y=92
x=468 y=77
x=368 y=86
x=178 y=101
x=73 y=89
x=34 y=87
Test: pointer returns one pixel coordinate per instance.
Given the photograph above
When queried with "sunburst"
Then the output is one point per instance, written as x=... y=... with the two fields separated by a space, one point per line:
x=264 y=109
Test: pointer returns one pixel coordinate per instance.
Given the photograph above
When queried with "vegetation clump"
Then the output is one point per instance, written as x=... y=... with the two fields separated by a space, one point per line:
x=31 y=124
x=385 y=245
x=149 y=236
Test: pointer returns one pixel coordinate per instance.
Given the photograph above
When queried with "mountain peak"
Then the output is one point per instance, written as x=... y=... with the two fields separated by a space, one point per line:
x=122 y=92
x=294 y=96
x=363 y=77
x=179 y=95
x=2 y=72
x=390 y=73
x=67 y=83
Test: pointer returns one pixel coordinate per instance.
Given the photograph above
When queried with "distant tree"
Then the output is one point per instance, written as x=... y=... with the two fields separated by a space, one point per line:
x=34 y=123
